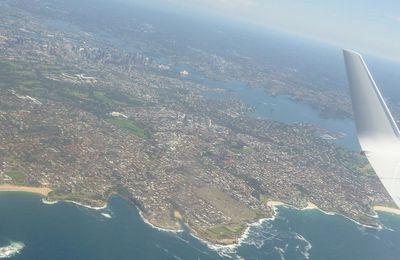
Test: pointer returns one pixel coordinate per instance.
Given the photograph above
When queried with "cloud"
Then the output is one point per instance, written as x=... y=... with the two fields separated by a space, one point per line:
x=394 y=18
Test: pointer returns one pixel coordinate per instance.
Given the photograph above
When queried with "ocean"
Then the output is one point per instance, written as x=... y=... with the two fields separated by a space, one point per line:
x=68 y=231
x=32 y=229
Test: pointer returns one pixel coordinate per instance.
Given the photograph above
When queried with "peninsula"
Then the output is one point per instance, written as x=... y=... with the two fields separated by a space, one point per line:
x=88 y=118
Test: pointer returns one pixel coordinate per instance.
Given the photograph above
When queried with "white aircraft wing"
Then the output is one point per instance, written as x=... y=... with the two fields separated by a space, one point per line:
x=377 y=131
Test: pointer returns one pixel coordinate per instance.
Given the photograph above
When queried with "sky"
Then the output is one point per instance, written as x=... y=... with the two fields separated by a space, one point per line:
x=368 y=26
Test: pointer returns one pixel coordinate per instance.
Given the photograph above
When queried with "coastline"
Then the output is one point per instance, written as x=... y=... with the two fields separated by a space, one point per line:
x=156 y=227
x=45 y=201
x=274 y=203
x=222 y=247
x=106 y=205
x=387 y=210
x=43 y=191
x=82 y=205
x=225 y=249
x=312 y=206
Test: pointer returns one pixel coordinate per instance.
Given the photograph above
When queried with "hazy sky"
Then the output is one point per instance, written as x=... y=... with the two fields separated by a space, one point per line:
x=371 y=26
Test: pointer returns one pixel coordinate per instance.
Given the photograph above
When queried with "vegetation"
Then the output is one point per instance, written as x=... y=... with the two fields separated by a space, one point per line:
x=18 y=177
x=224 y=232
x=239 y=148
x=43 y=129
x=237 y=211
x=252 y=182
x=264 y=199
x=29 y=80
x=81 y=197
x=354 y=162
x=130 y=126
x=122 y=191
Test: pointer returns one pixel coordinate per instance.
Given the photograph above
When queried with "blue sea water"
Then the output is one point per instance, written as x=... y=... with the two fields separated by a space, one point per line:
x=68 y=231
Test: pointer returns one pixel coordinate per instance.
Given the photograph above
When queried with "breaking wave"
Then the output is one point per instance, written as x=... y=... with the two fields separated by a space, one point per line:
x=106 y=215
x=275 y=239
x=304 y=250
x=11 y=250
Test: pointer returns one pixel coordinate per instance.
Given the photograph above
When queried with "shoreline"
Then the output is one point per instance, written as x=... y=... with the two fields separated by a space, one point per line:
x=82 y=205
x=225 y=249
x=43 y=191
x=175 y=231
x=219 y=247
x=312 y=206
x=47 y=202
x=387 y=210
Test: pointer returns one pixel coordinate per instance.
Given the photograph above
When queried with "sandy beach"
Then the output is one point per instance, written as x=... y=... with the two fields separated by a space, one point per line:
x=387 y=209
x=274 y=203
x=311 y=206
x=41 y=191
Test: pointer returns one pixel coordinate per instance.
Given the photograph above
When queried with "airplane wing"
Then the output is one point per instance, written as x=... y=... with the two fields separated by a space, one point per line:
x=377 y=131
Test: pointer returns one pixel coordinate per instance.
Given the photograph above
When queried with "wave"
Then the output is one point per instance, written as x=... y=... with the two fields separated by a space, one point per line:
x=11 y=250
x=87 y=206
x=45 y=201
x=230 y=251
x=281 y=252
x=329 y=213
x=279 y=237
x=248 y=237
x=106 y=215
x=305 y=251
x=273 y=236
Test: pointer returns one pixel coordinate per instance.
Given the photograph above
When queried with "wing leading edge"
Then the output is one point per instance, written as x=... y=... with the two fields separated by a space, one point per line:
x=377 y=131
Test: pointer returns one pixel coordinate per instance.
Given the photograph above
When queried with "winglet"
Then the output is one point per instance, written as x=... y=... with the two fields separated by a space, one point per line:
x=372 y=116
x=377 y=132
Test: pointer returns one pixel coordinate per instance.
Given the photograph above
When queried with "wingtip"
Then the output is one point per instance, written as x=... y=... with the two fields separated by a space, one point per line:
x=348 y=52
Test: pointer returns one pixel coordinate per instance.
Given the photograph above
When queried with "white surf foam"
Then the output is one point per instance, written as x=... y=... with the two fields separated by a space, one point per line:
x=44 y=201
x=281 y=252
x=249 y=237
x=158 y=228
x=106 y=215
x=86 y=206
x=306 y=249
x=11 y=250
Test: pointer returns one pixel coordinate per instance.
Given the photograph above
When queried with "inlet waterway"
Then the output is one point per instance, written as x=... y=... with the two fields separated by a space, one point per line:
x=281 y=108
x=68 y=231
